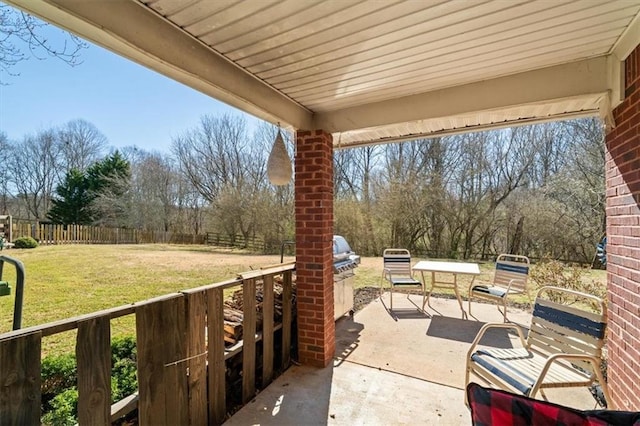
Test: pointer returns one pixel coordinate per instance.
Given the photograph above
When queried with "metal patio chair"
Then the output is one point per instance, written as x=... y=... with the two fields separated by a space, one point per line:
x=563 y=347
x=398 y=273
x=509 y=278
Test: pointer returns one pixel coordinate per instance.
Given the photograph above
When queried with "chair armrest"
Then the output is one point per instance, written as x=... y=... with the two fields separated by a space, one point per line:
x=595 y=362
x=511 y=282
x=489 y=326
x=386 y=273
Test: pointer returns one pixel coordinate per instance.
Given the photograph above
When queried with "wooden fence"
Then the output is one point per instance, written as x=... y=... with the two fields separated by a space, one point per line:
x=181 y=357
x=255 y=244
x=82 y=234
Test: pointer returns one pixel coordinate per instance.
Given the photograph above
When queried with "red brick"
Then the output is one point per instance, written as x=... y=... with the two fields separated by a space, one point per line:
x=623 y=231
x=314 y=249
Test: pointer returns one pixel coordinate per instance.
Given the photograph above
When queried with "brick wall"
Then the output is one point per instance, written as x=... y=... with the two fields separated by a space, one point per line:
x=314 y=246
x=623 y=243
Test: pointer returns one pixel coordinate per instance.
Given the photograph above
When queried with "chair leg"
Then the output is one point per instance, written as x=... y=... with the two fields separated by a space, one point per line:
x=603 y=384
x=391 y=297
x=504 y=312
x=466 y=383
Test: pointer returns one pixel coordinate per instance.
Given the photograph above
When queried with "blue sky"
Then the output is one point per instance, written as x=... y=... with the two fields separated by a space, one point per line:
x=128 y=103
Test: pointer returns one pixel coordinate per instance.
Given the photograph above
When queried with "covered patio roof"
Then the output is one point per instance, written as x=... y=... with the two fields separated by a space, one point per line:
x=353 y=73
x=371 y=72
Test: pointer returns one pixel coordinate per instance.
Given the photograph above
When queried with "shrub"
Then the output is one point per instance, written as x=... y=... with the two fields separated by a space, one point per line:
x=25 y=242
x=124 y=381
x=555 y=273
x=59 y=374
x=60 y=377
x=64 y=408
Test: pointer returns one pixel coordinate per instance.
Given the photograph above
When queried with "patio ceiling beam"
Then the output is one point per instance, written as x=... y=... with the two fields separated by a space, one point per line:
x=573 y=80
x=131 y=30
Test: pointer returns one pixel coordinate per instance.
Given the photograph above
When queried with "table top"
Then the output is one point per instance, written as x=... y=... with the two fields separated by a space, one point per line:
x=450 y=267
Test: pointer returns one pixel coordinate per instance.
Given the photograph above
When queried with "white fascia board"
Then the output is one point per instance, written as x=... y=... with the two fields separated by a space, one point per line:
x=129 y=29
x=615 y=76
x=575 y=79
x=629 y=39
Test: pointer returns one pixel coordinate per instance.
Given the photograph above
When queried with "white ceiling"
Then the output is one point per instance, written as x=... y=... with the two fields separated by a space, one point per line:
x=373 y=71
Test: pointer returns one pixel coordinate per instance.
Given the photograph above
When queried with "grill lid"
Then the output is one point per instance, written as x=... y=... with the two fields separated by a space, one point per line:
x=344 y=259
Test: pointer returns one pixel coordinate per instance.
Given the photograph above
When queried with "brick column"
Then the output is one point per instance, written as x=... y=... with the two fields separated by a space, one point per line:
x=314 y=246
x=623 y=243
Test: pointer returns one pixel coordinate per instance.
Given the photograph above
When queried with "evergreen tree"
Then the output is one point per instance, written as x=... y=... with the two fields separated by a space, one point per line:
x=94 y=196
x=72 y=204
x=108 y=175
x=109 y=182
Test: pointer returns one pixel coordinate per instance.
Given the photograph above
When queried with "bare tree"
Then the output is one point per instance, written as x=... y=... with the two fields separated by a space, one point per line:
x=211 y=155
x=228 y=170
x=81 y=144
x=354 y=171
x=579 y=188
x=22 y=36
x=275 y=207
x=155 y=191
x=5 y=155
x=401 y=192
x=34 y=164
x=193 y=209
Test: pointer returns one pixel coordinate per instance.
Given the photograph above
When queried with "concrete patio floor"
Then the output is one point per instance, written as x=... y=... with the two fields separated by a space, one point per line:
x=400 y=367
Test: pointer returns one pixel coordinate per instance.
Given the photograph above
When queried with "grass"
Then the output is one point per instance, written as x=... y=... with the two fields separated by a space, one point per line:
x=69 y=280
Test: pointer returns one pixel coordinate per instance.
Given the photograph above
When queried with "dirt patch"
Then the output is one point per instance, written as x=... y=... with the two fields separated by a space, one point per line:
x=363 y=296
x=186 y=258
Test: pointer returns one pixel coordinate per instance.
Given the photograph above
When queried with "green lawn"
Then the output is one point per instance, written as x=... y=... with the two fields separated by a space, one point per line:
x=69 y=280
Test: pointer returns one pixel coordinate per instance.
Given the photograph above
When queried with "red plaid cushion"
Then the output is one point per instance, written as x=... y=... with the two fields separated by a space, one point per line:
x=500 y=408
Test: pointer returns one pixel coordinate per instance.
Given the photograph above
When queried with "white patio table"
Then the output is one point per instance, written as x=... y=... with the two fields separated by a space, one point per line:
x=453 y=268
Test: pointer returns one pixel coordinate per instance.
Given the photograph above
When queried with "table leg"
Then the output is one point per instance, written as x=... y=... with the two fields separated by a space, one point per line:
x=469 y=295
x=425 y=301
x=455 y=290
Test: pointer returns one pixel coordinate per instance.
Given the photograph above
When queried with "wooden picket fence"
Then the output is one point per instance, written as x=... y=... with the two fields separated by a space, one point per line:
x=49 y=234
x=255 y=244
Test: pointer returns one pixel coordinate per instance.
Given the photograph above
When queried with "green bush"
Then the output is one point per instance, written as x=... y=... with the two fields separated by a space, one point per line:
x=25 y=242
x=64 y=409
x=59 y=374
x=124 y=381
x=60 y=377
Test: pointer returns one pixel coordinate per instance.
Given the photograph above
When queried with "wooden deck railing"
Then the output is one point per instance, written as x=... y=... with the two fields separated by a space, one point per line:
x=181 y=356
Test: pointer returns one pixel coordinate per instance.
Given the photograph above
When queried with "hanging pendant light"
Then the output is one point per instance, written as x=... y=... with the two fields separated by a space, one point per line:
x=279 y=164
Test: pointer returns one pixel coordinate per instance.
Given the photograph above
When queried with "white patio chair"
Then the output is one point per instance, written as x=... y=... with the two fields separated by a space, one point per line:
x=397 y=272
